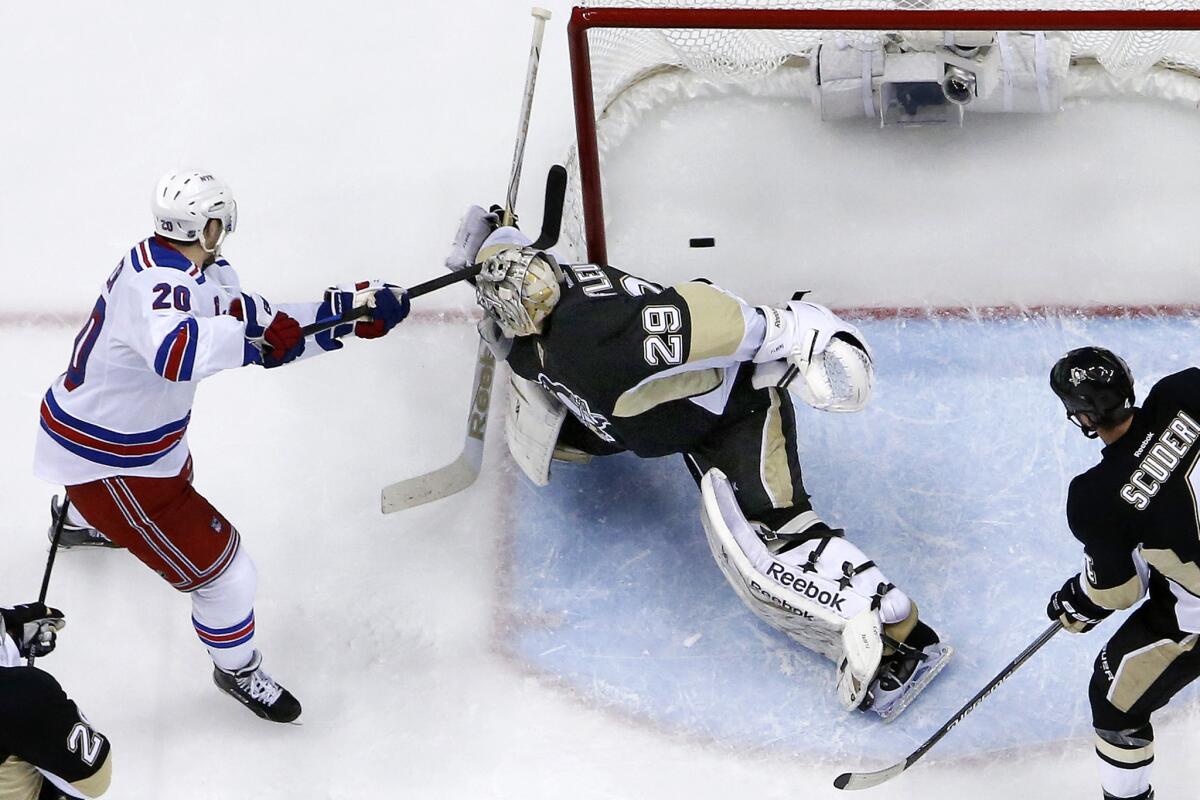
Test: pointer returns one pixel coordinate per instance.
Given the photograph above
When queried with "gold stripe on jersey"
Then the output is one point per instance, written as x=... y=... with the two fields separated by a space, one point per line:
x=19 y=780
x=775 y=472
x=717 y=323
x=97 y=783
x=1114 y=598
x=1172 y=566
x=646 y=396
x=1124 y=755
x=1139 y=670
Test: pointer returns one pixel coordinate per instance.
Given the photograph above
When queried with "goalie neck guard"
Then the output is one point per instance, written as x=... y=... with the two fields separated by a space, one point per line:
x=1094 y=382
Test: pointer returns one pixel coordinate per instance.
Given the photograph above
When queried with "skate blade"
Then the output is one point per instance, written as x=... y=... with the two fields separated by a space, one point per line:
x=925 y=674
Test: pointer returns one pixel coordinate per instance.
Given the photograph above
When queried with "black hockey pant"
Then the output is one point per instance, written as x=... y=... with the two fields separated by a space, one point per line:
x=1138 y=672
x=758 y=452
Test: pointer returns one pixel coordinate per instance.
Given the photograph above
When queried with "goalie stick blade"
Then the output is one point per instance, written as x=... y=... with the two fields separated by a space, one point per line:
x=865 y=780
x=450 y=479
x=460 y=473
x=556 y=191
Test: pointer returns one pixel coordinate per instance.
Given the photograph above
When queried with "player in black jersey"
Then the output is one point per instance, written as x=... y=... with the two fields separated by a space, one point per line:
x=691 y=369
x=48 y=750
x=1136 y=515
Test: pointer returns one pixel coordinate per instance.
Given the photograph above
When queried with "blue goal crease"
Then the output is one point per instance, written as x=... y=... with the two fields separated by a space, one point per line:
x=953 y=480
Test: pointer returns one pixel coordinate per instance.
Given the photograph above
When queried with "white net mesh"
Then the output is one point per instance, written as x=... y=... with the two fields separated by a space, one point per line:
x=620 y=55
x=628 y=64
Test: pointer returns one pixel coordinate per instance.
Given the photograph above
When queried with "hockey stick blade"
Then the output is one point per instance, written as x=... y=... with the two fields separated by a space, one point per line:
x=462 y=472
x=556 y=192
x=865 y=780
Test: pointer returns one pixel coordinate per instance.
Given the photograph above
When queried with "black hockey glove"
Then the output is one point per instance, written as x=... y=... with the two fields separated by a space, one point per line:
x=33 y=626
x=1074 y=609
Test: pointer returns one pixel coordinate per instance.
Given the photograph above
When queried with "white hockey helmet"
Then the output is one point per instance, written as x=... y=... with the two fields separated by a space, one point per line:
x=518 y=287
x=185 y=200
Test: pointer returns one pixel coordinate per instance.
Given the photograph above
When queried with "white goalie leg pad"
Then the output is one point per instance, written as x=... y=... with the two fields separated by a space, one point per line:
x=813 y=592
x=531 y=428
x=862 y=647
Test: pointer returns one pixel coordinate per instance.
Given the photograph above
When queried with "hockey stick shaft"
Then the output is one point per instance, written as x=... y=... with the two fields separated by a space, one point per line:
x=58 y=529
x=540 y=16
x=865 y=780
x=556 y=188
x=462 y=472
x=358 y=312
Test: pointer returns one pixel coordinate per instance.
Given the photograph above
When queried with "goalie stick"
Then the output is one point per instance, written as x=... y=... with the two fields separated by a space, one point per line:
x=461 y=473
x=865 y=780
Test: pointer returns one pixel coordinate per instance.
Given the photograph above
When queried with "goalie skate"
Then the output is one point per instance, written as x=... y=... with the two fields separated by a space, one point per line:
x=902 y=677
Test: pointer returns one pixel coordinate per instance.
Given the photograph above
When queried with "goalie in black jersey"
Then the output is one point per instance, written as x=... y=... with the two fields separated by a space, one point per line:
x=1135 y=514
x=604 y=362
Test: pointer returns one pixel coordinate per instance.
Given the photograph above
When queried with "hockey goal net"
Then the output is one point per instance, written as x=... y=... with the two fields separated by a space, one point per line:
x=904 y=62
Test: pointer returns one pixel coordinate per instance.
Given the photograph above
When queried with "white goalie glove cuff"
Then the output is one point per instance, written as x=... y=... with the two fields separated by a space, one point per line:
x=474 y=228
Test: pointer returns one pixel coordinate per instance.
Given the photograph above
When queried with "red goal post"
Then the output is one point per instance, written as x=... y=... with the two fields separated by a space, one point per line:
x=665 y=17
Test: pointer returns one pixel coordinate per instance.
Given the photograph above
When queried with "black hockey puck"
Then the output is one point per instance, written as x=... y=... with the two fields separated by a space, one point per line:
x=703 y=241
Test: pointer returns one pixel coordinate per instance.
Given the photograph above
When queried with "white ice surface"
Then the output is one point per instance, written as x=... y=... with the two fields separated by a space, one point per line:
x=353 y=135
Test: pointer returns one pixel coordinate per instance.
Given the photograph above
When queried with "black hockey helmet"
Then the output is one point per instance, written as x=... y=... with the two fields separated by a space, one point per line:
x=1096 y=382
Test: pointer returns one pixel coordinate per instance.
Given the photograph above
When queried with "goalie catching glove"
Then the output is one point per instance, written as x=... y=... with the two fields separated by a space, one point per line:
x=815 y=354
x=387 y=310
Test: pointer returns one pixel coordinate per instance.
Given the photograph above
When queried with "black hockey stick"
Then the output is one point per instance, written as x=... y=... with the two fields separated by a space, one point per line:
x=58 y=529
x=556 y=191
x=428 y=286
x=865 y=780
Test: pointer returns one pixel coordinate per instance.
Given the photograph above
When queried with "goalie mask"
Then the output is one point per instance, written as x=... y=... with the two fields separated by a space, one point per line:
x=518 y=287
x=1094 y=382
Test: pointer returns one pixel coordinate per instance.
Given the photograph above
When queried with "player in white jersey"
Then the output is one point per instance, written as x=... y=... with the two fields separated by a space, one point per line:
x=114 y=425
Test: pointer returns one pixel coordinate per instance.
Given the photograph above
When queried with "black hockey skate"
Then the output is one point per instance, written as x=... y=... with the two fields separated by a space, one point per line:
x=1146 y=795
x=75 y=535
x=906 y=672
x=258 y=691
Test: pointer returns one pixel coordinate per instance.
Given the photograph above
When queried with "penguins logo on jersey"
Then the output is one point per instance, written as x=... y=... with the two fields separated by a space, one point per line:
x=594 y=422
